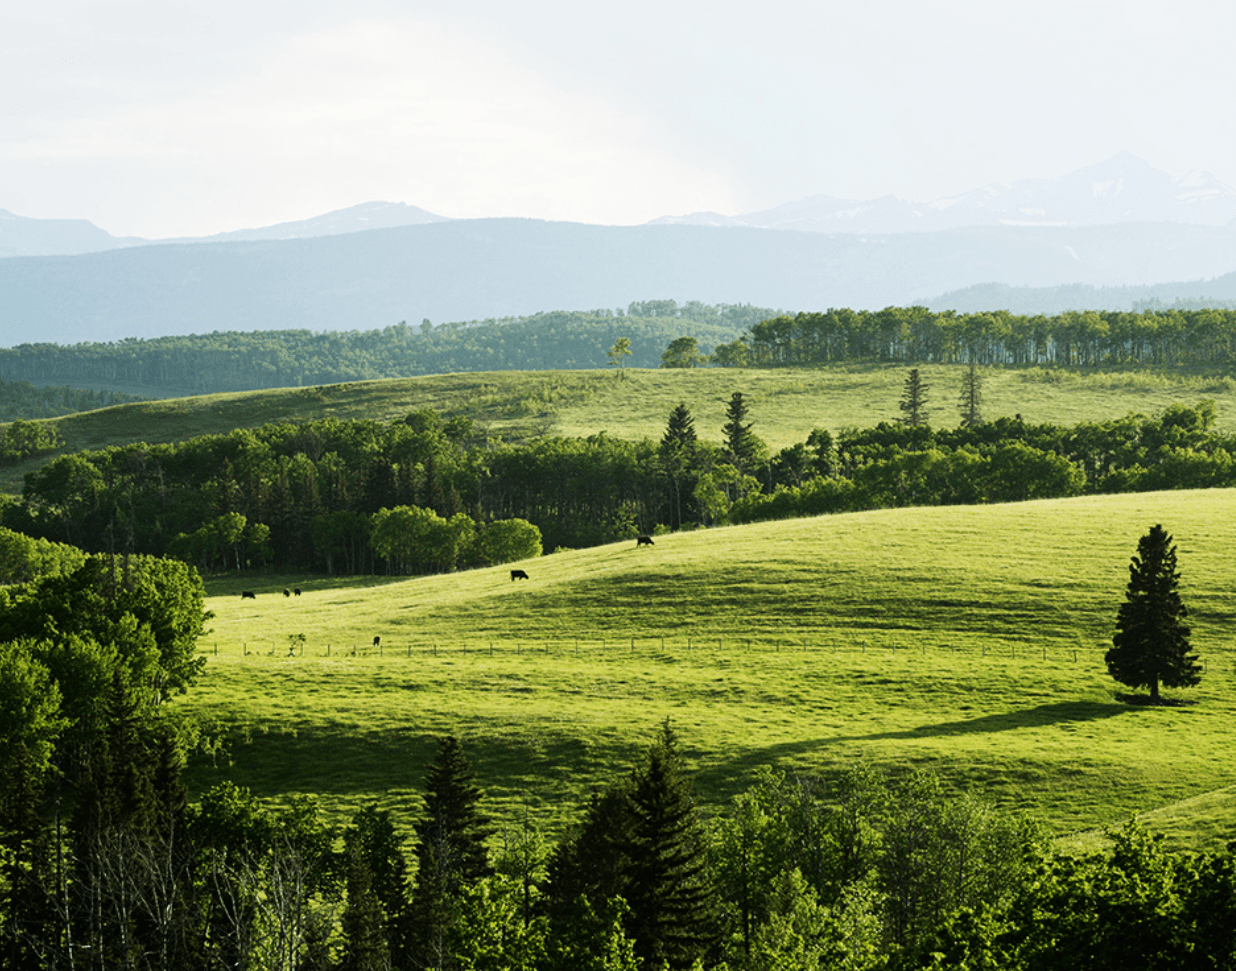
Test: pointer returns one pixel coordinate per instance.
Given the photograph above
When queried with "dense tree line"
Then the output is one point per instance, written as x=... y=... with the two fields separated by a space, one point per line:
x=423 y=495
x=21 y=399
x=230 y=361
x=916 y=335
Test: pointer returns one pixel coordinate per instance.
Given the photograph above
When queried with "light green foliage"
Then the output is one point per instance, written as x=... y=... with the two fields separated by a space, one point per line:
x=23 y=558
x=417 y=540
x=617 y=354
x=508 y=540
x=23 y=439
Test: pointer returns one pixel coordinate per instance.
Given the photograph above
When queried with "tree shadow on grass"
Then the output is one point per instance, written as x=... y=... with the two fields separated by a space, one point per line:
x=1038 y=717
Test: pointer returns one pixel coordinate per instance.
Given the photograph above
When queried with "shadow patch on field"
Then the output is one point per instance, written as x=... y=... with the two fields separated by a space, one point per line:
x=535 y=765
x=1051 y=714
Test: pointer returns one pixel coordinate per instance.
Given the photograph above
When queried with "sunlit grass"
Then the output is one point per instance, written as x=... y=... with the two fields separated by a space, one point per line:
x=965 y=639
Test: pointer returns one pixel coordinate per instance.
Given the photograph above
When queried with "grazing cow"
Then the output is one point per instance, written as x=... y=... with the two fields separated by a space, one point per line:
x=643 y=541
x=377 y=641
x=287 y=592
x=518 y=575
x=248 y=595
x=296 y=592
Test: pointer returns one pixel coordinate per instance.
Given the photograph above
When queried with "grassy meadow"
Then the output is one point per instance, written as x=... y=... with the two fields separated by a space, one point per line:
x=786 y=404
x=967 y=640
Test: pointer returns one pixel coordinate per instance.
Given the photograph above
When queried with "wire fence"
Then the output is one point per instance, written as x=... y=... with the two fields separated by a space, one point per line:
x=298 y=647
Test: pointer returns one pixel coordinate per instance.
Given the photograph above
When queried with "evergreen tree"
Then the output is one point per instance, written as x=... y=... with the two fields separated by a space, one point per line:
x=375 y=922
x=668 y=884
x=450 y=853
x=913 y=402
x=678 y=458
x=1151 y=643
x=742 y=446
x=971 y=403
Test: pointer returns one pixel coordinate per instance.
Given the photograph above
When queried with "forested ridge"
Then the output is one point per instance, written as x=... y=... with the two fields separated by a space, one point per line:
x=232 y=361
x=424 y=494
x=727 y=335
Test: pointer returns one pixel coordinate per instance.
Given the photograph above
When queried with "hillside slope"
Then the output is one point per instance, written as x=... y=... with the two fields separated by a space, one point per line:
x=964 y=639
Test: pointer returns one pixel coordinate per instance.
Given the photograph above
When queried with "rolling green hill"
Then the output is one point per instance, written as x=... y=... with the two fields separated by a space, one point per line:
x=968 y=640
x=786 y=403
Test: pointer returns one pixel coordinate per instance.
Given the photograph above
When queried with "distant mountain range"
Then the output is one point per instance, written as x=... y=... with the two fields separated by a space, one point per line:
x=1085 y=237
x=1123 y=189
x=20 y=236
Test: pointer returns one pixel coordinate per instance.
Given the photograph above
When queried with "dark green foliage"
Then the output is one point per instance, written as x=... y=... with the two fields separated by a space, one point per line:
x=231 y=361
x=22 y=400
x=678 y=455
x=450 y=853
x=1151 y=643
x=913 y=402
x=668 y=883
x=742 y=447
x=375 y=922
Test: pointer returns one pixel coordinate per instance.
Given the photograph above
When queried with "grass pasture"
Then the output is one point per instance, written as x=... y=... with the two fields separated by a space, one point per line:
x=965 y=639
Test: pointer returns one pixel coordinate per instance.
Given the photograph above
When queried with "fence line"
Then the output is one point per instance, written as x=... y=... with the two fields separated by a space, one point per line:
x=652 y=646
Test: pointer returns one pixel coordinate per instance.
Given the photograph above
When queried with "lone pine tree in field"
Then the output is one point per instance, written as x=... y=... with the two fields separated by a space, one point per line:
x=1152 y=639
x=913 y=402
x=971 y=402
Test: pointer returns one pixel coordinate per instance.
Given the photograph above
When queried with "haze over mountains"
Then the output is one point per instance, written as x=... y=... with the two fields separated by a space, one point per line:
x=1118 y=224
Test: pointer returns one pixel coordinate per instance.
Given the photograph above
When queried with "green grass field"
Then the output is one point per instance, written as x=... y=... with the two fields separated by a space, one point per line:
x=786 y=404
x=968 y=640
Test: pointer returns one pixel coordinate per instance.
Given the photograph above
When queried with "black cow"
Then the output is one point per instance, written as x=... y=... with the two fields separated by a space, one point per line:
x=248 y=595
x=287 y=592
x=296 y=592
x=377 y=641
x=518 y=575
x=643 y=541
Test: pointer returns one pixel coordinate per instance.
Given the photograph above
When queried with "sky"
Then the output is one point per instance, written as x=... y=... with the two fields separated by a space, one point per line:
x=163 y=118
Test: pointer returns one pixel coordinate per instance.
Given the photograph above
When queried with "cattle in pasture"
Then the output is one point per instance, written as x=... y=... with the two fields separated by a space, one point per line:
x=377 y=641
x=518 y=575
x=287 y=592
x=296 y=591
x=248 y=595
x=643 y=541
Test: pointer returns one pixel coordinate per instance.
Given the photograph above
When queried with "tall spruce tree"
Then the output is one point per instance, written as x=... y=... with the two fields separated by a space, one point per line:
x=1151 y=644
x=742 y=446
x=668 y=883
x=450 y=853
x=913 y=402
x=678 y=457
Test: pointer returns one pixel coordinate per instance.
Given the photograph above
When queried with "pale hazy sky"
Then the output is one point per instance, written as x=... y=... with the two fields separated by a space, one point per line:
x=162 y=118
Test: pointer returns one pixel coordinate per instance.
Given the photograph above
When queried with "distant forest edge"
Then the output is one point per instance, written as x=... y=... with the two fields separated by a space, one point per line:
x=727 y=335
x=23 y=400
x=233 y=361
